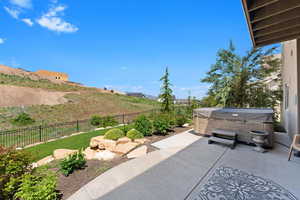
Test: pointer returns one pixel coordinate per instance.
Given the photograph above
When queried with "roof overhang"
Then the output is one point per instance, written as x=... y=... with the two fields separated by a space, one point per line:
x=272 y=21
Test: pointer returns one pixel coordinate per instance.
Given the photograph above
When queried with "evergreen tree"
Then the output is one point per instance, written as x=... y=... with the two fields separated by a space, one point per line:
x=166 y=95
x=238 y=81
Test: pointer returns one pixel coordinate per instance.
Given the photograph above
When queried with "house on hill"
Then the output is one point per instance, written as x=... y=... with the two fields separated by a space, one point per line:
x=135 y=94
x=55 y=75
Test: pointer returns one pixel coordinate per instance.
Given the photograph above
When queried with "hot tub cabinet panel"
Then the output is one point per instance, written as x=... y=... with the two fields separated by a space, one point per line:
x=242 y=121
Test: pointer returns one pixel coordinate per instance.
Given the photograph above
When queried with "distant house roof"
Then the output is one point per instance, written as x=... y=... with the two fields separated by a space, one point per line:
x=135 y=94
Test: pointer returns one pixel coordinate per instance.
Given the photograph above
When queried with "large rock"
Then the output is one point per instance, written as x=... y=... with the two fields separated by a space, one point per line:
x=97 y=142
x=125 y=148
x=89 y=153
x=109 y=145
x=123 y=140
x=105 y=155
x=141 y=151
x=63 y=153
x=141 y=140
x=44 y=161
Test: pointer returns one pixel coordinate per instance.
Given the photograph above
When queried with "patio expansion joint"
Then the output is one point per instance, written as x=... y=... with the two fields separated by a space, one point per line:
x=205 y=175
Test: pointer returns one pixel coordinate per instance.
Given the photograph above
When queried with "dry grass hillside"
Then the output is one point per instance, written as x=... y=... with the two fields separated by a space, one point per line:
x=49 y=102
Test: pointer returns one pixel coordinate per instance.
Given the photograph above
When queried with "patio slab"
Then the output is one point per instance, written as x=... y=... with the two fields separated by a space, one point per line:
x=183 y=173
x=180 y=140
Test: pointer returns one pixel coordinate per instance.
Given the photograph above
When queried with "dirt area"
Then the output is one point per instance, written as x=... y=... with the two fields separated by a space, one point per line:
x=24 y=96
x=24 y=73
x=69 y=185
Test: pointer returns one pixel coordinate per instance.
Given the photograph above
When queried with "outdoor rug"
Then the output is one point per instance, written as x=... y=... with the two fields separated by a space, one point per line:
x=232 y=184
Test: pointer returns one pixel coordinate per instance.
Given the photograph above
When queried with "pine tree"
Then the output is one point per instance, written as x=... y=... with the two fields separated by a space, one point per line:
x=166 y=95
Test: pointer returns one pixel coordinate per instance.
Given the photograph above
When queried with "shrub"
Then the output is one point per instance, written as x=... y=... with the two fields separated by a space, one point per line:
x=181 y=120
x=143 y=125
x=13 y=164
x=72 y=163
x=41 y=186
x=109 y=121
x=23 y=119
x=134 y=134
x=161 y=125
x=127 y=128
x=114 y=134
x=96 y=120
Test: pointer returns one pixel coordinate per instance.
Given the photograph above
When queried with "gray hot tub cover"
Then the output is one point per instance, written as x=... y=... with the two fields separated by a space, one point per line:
x=264 y=115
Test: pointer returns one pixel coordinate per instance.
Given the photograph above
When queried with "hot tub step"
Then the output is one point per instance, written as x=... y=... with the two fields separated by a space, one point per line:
x=224 y=132
x=230 y=143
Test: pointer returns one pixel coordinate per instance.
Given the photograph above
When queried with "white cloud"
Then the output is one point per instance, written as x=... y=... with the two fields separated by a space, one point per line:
x=28 y=21
x=22 y=3
x=12 y=12
x=52 y=21
x=2 y=40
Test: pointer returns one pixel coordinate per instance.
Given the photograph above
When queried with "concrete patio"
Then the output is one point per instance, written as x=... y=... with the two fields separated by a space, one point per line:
x=183 y=174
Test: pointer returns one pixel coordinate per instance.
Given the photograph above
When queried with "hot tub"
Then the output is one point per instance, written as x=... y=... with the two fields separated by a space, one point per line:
x=242 y=121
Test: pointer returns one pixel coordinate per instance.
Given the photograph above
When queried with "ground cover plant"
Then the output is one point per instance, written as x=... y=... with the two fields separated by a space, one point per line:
x=40 y=185
x=72 y=162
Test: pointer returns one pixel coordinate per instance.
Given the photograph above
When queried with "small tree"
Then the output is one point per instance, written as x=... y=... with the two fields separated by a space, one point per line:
x=238 y=81
x=166 y=95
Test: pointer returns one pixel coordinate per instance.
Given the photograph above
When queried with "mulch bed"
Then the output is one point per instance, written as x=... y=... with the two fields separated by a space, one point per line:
x=69 y=185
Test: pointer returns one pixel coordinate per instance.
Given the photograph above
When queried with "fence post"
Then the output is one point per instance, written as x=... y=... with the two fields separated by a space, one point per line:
x=77 y=126
x=123 y=118
x=40 y=132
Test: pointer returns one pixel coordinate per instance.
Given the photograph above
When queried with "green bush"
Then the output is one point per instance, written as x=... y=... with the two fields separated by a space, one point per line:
x=143 y=125
x=181 y=120
x=134 y=134
x=41 y=186
x=161 y=125
x=13 y=165
x=106 y=121
x=23 y=119
x=72 y=163
x=96 y=120
x=127 y=128
x=114 y=134
x=109 y=121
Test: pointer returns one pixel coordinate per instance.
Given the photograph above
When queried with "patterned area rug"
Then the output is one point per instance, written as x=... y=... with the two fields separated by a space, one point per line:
x=232 y=184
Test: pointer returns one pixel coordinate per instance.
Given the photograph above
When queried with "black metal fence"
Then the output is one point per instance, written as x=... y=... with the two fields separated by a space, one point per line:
x=27 y=136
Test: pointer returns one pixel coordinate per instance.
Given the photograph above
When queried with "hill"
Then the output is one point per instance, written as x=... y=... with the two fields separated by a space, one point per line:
x=52 y=102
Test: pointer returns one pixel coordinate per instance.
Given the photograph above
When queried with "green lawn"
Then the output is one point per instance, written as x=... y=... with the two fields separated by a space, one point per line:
x=73 y=142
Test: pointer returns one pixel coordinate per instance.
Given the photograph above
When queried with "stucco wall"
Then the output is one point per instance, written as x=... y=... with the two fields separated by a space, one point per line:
x=290 y=75
x=55 y=75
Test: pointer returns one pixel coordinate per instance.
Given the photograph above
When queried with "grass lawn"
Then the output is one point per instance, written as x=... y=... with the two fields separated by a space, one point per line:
x=73 y=142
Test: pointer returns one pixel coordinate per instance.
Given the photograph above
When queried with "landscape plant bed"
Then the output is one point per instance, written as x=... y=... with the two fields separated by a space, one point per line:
x=70 y=184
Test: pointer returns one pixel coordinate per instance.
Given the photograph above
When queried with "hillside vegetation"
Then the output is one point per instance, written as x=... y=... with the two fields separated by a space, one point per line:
x=81 y=103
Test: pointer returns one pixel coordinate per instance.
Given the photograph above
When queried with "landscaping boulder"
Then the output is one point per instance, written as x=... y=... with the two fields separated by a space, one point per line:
x=141 y=140
x=43 y=161
x=105 y=155
x=109 y=145
x=140 y=151
x=125 y=148
x=63 y=153
x=89 y=153
x=123 y=140
x=97 y=142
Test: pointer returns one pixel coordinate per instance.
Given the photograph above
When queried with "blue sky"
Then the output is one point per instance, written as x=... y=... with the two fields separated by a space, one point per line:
x=122 y=44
